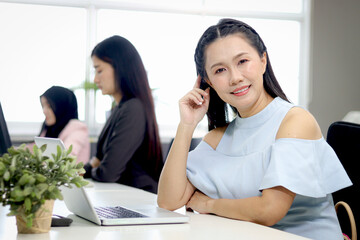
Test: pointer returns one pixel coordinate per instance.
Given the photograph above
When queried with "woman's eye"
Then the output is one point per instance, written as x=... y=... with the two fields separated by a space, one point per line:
x=220 y=70
x=243 y=61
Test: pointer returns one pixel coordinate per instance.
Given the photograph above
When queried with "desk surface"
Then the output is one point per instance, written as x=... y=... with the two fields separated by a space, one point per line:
x=200 y=226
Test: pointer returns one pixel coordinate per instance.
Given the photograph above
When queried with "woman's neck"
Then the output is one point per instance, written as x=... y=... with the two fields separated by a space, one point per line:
x=117 y=97
x=257 y=107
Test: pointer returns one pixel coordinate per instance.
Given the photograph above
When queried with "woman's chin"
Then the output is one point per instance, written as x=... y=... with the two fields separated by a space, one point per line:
x=49 y=124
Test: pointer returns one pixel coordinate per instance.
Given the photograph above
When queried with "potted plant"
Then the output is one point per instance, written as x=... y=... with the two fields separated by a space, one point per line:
x=30 y=181
x=87 y=86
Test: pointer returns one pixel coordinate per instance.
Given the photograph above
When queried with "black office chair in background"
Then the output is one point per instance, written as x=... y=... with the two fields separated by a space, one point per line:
x=344 y=138
x=193 y=145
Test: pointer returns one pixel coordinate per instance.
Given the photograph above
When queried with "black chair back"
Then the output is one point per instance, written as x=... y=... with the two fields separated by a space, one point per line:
x=193 y=145
x=344 y=138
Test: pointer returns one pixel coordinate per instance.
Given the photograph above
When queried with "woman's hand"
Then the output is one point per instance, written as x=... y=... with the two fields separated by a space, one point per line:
x=94 y=162
x=194 y=105
x=199 y=202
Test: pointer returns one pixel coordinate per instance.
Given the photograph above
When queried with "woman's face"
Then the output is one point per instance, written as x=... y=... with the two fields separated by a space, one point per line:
x=235 y=71
x=50 y=118
x=105 y=78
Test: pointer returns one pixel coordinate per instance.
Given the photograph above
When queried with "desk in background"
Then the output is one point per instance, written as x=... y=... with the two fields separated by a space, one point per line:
x=200 y=226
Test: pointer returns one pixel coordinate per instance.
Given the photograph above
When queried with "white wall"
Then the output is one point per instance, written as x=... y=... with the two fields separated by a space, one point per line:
x=335 y=60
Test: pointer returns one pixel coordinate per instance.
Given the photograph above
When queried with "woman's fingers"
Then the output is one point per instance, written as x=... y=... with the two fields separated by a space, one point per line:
x=193 y=105
x=207 y=94
x=197 y=95
x=197 y=82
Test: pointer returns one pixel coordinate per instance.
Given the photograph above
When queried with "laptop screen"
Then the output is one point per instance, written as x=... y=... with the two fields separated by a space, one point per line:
x=5 y=141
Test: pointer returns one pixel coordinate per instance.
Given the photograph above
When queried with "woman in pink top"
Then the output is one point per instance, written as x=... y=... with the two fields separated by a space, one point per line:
x=61 y=121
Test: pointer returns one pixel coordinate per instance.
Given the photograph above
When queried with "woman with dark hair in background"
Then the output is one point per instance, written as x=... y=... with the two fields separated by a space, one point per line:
x=128 y=148
x=270 y=165
x=61 y=121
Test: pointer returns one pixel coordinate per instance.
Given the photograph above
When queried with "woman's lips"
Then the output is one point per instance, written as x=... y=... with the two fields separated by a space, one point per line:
x=241 y=91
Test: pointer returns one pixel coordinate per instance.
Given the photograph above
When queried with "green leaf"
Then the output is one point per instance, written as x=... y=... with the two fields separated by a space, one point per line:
x=42 y=187
x=60 y=196
x=27 y=191
x=40 y=178
x=13 y=161
x=24 y=179
x=27 y=204
x=51 y=188
x=57 y=193
x=69 y=150
x=71 y=172
x=72 y=163
x=12 y=169
x=59 y=152
x=51 y=163
x=79 y=165
x=51 y=195
x=54 y=157
x=32 y=180
x=43 y=148
x=76 y=179
x=37 y=193
x=11 y=151
x=29 y=221
x=6 y=175
x=39 y=154
x=17 y=195
x=36 y=149
x=84 y=182
x=2 y=168
x=36 y=206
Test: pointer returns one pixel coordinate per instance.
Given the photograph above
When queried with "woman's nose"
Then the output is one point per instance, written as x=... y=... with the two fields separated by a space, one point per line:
x=236 y=76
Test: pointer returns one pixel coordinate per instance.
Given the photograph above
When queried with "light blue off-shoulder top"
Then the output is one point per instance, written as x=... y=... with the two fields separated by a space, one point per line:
x=249 y=159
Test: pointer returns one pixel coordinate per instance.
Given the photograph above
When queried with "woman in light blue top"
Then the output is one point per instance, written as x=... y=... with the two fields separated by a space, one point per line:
x=270 y=165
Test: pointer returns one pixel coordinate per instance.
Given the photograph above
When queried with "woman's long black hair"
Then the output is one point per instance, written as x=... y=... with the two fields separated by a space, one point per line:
x=64 y=105
x=132 y=82
x=217 y=113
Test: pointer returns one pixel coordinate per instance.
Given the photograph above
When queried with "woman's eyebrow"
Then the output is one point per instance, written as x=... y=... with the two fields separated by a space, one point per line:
x=235 y=57
x=239 y=55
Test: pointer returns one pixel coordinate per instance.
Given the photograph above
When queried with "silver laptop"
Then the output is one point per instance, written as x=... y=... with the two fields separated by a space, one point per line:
x=51 y=144
x=79 y=203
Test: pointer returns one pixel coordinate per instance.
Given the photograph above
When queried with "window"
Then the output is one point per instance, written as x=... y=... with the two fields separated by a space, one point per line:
x=43 y=48
x=39 y=48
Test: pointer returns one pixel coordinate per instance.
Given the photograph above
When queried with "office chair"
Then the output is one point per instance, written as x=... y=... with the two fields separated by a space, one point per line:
x=344 y=138
x=193 y=145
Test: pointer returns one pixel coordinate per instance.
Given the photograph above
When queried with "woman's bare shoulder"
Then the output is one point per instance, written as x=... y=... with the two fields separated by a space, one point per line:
x=214 y=136
x=299 y=123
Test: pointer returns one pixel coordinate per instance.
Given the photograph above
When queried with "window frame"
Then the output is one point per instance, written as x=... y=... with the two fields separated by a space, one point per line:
x=20 y=130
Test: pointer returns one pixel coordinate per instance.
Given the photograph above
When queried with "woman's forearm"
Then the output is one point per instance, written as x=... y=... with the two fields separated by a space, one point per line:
x=248 y=209
x=174 y=188
x=267 y=209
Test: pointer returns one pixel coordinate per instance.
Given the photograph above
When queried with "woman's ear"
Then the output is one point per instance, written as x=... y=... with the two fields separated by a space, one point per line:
x=208 y=81
x=264 y=61
x=204 y=83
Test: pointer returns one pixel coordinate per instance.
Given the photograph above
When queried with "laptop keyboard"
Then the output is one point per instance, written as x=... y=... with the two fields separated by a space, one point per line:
x=117 y=212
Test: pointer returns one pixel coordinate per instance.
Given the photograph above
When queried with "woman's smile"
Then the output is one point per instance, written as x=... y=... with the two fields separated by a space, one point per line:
x=241 y=91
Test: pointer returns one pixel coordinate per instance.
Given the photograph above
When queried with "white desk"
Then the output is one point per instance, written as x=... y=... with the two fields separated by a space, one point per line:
x=200 y=226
